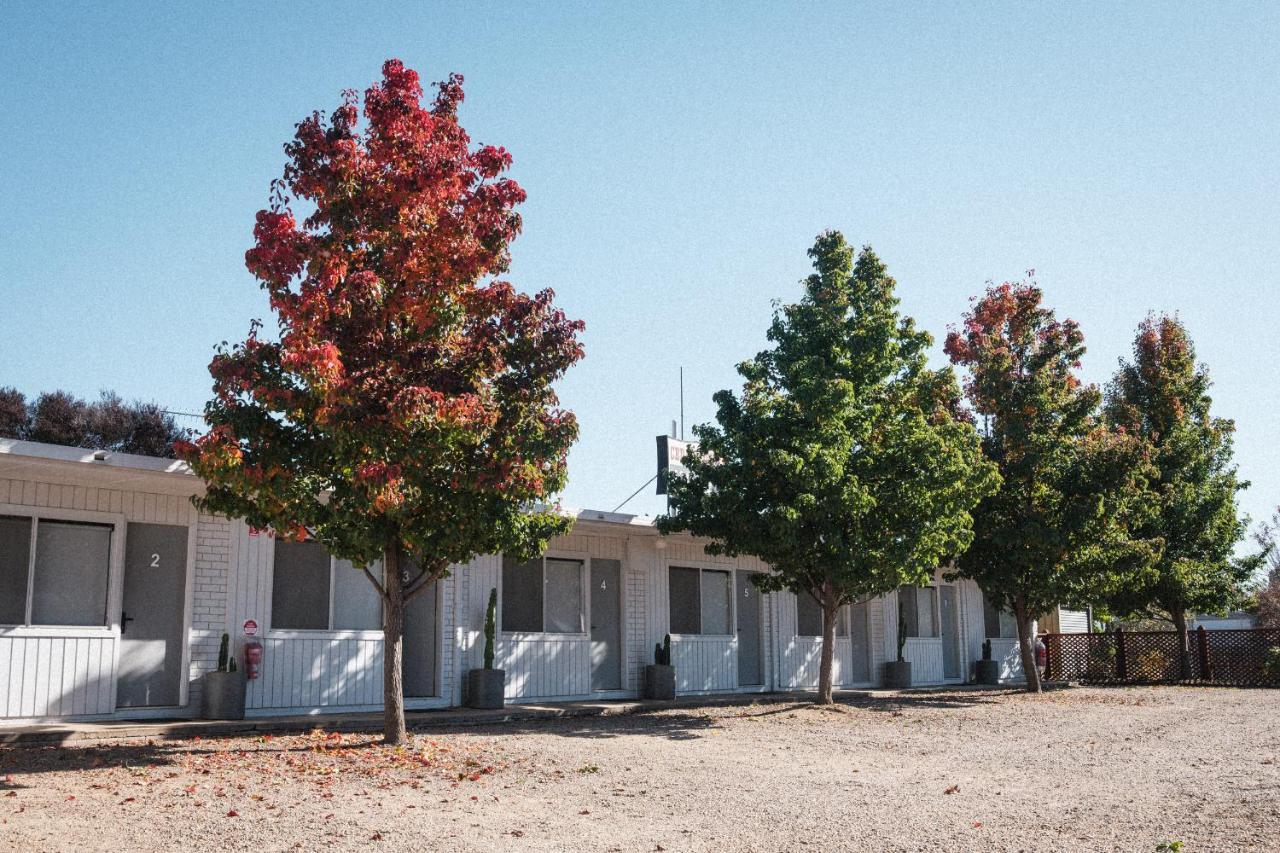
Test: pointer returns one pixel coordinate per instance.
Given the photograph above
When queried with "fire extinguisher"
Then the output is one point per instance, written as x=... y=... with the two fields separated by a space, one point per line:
x=252 y=658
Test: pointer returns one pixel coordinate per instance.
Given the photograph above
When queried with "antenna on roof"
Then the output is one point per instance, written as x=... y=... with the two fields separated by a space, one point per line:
x=681 y=436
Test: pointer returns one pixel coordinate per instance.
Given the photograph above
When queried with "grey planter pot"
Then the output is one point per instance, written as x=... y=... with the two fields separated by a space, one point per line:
x=897 y=674
x=486 y=688
x=659 y=682
x=986 y=671
x=222 y=696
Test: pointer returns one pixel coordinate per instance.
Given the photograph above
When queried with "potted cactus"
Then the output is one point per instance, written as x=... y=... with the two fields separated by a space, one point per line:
x=897 y=673
x=660 y=676
x=486 y=687
x=986 y=671
x=222 y=696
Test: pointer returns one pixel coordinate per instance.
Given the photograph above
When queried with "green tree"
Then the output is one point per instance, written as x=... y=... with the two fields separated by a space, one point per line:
x=406 y=414
x=1057 y=531
x=1162 y=396
x=842 y=464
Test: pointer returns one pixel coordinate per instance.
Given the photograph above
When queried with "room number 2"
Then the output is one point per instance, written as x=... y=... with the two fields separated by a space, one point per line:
x=155 y=561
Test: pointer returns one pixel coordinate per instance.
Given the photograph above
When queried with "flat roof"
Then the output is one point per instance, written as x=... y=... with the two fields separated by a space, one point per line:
x=176 y=467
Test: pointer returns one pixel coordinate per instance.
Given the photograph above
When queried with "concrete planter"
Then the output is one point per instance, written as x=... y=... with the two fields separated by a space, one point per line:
x=659 y=682
x=222 y=696
x=486 y=688
x=897 y=674
x=986 y=671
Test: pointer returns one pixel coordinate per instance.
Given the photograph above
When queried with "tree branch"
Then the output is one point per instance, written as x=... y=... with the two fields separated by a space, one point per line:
x=413 y=591
x=374 y=581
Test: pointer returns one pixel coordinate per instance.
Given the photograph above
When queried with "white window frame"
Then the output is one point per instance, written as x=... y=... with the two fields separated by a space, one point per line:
x=703 y=566
x=115 y=568
x=583 y=559
x=329 y=632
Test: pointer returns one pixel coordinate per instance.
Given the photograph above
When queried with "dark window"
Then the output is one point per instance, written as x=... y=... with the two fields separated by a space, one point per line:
x=15 y=568
x=684 y=592
x=72 y=566
x=542 y=596
x=921 y=610
x=808 y=616
x=300 y=586
x=521 y=595
x=997 y=623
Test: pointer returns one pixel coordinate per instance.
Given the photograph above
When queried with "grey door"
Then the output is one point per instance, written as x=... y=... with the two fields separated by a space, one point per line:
x=950 y=632
x=750 y=672
x=860 y=645
x=152 y=617
x=606 y=624
x=420 y=637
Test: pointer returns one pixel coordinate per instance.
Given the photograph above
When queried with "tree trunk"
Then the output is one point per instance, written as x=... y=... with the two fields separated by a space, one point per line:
x=830 y=608
x=1029 y=667
x=1184 y=646
x=393 y=728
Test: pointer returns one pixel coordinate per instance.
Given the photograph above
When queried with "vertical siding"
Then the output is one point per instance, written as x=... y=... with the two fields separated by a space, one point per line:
x=925 y=654
x=56 y=676
x=705 y=664
x=71 y=671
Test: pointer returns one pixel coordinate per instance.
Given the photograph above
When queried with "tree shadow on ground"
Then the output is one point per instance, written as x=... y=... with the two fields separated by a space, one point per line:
x=666 y=725
x=917 y=700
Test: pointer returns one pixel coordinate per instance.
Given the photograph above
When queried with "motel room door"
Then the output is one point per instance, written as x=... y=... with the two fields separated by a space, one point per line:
x=949 y=603
x=418 y=663
x=750 y=670
x=606 y=624
x=153 y=616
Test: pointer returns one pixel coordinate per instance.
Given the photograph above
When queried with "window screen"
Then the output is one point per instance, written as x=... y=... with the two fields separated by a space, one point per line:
x=15 y=562
x=920 y=608
x=562 y=591
x=356 y=604
x=918 y=604
x=73 y=563
x=717 y=599
x=808 y=616
x=685 y=598
x=300 y=586
x=521 y=595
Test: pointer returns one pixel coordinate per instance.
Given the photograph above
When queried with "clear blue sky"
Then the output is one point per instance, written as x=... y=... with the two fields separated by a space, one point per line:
x=679 y=162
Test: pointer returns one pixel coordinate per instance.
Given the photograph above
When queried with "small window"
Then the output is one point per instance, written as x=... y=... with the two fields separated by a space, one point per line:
x=67 y=572
x=701 y=601
x=809 y=617
x=542 y=596
x=15 y=569
x=920 y=606
x=312 y=591
x=998 y=623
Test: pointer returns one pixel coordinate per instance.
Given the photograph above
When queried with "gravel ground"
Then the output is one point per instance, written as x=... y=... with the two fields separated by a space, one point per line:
x=1078 y=769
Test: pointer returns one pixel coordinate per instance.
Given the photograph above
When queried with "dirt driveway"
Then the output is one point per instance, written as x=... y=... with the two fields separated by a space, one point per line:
x=1080 y=769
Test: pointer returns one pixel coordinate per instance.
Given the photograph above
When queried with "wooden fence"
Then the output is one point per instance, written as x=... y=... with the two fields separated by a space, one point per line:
x=1240 y=658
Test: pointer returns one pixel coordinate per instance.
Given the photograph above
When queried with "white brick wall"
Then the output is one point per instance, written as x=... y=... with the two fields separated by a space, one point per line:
x=209 y=604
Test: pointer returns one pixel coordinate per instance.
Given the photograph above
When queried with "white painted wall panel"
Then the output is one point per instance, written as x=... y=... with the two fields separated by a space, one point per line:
x=925 y=654
x=56 y=675
x=705 y=664
x=544 y=665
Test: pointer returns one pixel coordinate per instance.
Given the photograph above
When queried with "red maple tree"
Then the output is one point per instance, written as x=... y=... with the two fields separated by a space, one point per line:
x=405 y=414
